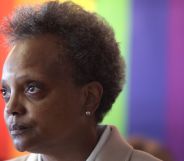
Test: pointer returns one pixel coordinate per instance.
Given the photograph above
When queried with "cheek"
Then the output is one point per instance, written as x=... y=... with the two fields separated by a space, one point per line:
x=5 y=116
x=46 y=113
x=50 y=123
x=56 y=109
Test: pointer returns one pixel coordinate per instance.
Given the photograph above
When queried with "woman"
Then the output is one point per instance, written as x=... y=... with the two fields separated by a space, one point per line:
x=61 y=77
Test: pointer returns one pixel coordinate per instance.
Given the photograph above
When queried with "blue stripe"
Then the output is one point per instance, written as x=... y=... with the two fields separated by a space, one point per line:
x=148 y=73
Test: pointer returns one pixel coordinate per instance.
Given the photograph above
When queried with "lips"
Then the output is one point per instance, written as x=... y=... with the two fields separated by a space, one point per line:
x=18 y=129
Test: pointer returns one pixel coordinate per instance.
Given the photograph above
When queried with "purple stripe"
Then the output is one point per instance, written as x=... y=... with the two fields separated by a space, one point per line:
x=175 y=128
x=147 y=79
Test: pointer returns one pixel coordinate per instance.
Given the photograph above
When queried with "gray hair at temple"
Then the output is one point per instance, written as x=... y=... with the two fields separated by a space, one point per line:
x=88 y=41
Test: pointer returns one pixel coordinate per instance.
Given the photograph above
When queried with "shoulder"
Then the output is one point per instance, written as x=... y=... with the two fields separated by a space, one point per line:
x=117 y=148
x=138 y=155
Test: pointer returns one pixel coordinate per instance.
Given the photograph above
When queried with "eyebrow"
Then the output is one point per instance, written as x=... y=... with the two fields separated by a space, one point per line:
x=23 y=77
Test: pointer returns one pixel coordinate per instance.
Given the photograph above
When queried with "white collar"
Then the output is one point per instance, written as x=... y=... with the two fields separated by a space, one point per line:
x=100 y=144
x=97 y=148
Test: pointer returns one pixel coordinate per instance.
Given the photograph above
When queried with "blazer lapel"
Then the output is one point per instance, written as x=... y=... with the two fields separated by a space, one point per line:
x=115 y=149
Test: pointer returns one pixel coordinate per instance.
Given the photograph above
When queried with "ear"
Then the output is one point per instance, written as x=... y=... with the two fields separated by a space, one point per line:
x=93 y=92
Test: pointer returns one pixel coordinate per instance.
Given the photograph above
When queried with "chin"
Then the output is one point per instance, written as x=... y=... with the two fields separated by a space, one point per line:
x=20 y=147
x=31 y=146
x=26 y=148
x=23 y=144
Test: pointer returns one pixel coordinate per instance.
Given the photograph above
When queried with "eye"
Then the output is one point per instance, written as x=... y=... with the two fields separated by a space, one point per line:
x=33 y=88
x=5 y=93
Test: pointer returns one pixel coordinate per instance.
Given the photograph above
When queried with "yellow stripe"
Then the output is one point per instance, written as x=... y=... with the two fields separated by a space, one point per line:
x=86 y=4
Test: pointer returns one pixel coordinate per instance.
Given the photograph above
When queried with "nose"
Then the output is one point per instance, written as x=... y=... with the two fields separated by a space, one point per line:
x=14 y=106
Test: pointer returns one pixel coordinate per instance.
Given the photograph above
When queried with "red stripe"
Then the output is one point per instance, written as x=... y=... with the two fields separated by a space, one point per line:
x=5 y=9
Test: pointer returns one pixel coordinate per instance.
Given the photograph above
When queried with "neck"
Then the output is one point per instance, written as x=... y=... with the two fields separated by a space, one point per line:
x=78 y=149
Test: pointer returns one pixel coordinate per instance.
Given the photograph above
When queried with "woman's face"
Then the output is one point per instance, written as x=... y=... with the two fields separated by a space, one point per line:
x=43 y=107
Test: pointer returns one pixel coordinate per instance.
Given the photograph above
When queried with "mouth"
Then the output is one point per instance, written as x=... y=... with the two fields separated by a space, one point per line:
x=18 y=129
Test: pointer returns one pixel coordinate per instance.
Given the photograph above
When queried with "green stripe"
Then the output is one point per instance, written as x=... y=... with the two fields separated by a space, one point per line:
x=117 y=13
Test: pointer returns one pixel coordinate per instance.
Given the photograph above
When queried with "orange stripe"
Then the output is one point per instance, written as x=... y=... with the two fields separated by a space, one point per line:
x=28 y=2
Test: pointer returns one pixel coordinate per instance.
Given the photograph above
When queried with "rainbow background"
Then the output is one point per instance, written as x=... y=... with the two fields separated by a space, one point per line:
x=151 y=38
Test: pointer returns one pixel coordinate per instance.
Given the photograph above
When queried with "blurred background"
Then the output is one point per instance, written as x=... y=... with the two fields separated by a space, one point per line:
x=151 y=38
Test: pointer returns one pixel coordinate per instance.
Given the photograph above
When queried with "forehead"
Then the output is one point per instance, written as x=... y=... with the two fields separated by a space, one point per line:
x=41 y=53
x=35 y=49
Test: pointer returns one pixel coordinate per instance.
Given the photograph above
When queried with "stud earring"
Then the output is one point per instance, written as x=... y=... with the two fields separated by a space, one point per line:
x=88 y=113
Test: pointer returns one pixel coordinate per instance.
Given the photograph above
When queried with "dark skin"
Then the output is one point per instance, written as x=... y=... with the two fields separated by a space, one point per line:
x=44 y=108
